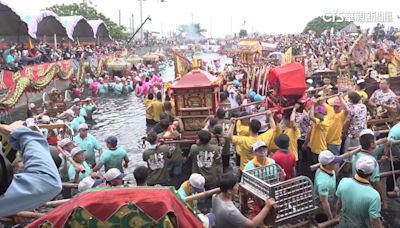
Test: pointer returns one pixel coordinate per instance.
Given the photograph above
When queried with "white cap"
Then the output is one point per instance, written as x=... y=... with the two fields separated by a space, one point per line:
x=197 y=181
x=30 y=122
x=258 y=145
x=60 y=122
x=360 y=81
x=366 y=164
x=326 y=158
x=83 y=126
x=65 y=142
x=76 y=151
x=309 y=81
x=70 y=112
x=32 y=105
x=367 y=132
x=85 y=183
x=77 y=100
x=45 y=119
x=113 y=173
x=311 y=88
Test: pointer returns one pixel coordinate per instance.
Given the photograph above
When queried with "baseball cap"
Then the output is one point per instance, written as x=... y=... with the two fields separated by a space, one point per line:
x=30 y=122
x=88 y=182
x=252 y=94
x=360 y=81
x=258 y=97
x=112 y=140
x=32 y=105
x=309 y=81
x=76 y=100
x=197 y=182
x=258 y=145
x=236 y=83
x=320 y=109
x=83 y=126
x=369 y=132
x=113 y=173
x=76 y=151
x=85 y=183
x=70 y=112
x=88 y=99
x=366 y=164
x=326 y=157
x=45 y=119
x=65 y=142
x=337 y=102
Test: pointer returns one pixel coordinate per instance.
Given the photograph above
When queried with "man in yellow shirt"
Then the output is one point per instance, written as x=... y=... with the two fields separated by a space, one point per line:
x=319 y=130
x=335 y=119
x=149 y=112
x=361 y=90
x=156 y=107
x=292 y=130
x=242 y=129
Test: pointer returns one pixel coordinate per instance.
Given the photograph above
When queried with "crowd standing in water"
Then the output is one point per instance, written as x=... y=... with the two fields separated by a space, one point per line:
x=315 y=130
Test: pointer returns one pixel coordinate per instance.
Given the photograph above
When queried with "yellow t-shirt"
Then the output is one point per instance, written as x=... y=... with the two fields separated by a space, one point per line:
x=267 y=137
x=242 y=130
x=149 y=112
x=293 y=135
x=244 y=147
x=278 y=131
x=157 y=108
x=335 y=123
x=363 y=95
x=319 y=131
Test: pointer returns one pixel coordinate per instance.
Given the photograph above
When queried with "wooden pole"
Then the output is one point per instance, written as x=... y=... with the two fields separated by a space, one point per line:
x=329 y=223
x=266 y=73
x=255 y=114
x=69 y=185
x=389 y=173
x=203 y=195
x=259 y=79
x=56 y=203
x=29 y=214
x=246 y=105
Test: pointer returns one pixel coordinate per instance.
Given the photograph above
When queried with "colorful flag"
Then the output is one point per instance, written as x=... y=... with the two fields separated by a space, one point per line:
x=288 y=56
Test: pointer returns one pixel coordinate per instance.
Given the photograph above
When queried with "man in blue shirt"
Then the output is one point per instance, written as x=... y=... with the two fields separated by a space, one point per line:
x=40 y=181
x=88 y=143
x=359 y=204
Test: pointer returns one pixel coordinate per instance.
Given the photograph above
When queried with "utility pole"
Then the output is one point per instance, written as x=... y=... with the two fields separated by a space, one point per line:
x=133 y=24
x=211 y=26
x=141 y=18
x=119 y=13
x=231 y=28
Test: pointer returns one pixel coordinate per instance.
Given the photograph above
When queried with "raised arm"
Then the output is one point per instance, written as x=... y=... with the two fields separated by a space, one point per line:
x=344 y=103
x=293 y=116
x=40 y=181
x=271 y=120
x=231 y=129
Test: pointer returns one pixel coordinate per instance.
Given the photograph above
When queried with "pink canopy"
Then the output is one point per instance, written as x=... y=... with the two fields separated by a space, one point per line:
x=12 y=28
x=46 y=23
x=100 y=30
x=78 y=27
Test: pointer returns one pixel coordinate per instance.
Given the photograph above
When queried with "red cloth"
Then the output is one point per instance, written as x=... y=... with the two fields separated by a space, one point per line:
x=104 y=203
x=287 y=161
x=291 y=79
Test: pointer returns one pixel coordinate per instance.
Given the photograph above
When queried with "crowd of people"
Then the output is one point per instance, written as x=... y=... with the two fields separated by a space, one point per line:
x=315 y=130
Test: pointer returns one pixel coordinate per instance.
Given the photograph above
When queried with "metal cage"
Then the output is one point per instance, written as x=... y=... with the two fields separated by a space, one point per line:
x=294 y=197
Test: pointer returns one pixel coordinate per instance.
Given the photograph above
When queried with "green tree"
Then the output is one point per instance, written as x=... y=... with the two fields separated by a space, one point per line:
x=88 y=10
x=319 y=25
x=194 y=29
x=243 y=33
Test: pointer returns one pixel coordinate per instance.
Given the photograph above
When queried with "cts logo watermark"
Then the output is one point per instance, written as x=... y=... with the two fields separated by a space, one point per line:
x=333 y=16
x=358 y=16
